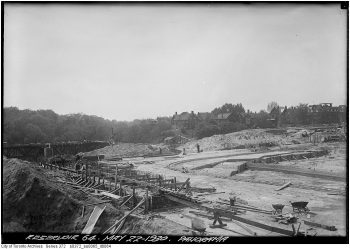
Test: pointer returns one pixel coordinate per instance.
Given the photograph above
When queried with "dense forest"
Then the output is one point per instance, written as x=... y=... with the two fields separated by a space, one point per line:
x=28 y=126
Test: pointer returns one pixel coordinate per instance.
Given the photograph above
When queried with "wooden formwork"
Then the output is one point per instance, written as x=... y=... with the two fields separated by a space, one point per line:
x=290 y=156
x=123 y=181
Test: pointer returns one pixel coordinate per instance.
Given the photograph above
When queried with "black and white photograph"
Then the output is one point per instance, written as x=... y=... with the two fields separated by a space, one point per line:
x=174 y=122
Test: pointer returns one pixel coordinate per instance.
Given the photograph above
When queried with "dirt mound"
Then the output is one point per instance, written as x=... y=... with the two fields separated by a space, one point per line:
x=247 y=139
x=34 y=202
x=153 y=226
x=129 y=150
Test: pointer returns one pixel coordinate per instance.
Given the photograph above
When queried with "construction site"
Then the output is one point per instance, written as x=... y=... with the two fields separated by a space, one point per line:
x=258 y=182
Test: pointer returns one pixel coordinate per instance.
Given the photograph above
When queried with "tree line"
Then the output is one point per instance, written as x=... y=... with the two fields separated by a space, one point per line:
x=42 y=126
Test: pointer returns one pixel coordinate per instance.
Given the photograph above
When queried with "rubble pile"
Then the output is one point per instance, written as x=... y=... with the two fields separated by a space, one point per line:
x=239 y=140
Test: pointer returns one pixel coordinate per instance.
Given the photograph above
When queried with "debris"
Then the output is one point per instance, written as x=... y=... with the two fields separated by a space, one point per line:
x=125 y=216
x=314 y=224
x=284 y=186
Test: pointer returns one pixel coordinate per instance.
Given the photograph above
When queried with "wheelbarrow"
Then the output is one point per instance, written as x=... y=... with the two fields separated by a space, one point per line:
x=277 y=208
x=300 y=207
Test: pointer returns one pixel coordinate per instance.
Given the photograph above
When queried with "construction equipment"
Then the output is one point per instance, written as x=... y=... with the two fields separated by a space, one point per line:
x=300 y=206
x=278 y=208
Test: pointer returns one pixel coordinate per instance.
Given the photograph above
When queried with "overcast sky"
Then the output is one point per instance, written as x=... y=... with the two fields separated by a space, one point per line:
x=126 y=62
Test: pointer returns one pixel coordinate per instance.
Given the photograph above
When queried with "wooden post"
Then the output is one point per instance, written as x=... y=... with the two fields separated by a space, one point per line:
x=99 y=176
x=146 y=201
x=115 y=177
x=86 y=172
x=108 y=177
x=83 y=211
x=133 y=195
x=151 y=203
x=187 y=187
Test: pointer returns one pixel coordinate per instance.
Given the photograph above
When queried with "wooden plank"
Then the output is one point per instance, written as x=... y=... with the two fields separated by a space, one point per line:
x=128 y=199
x=213 y=193
x=314 y=224
x=246 y=208
x=284 y=186
x=119 y=227
x=116 y=197
x=263 y=226
x=230 y=214
x=210 y=217
x=231 y=230
x=183 y=185
x=125 y=216
x=114 y=191
x=98 y=203
x=89 y=227
x=167 y=185
x=245 y=228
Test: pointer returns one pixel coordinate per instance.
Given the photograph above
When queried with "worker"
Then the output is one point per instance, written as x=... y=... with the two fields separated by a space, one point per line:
x=184 y=151
x=232 y=201
x=160 y=150
x=198 y=148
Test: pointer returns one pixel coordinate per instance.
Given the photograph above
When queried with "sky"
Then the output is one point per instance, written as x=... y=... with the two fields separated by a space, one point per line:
x=128 y=62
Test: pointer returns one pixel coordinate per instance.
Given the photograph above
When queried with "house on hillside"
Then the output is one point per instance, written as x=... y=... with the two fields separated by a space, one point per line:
x=276 y=114
x=184 y=120
x=327 y=113
x=223 y=118
x=204 y=116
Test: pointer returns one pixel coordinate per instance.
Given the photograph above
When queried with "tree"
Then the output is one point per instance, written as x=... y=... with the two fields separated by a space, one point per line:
x=206 y=130
x=34 y=134
x=302 y=114
x=237 y=111
x=271 y=105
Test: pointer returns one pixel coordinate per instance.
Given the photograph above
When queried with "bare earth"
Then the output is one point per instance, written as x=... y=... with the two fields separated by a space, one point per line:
x=258 y=187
